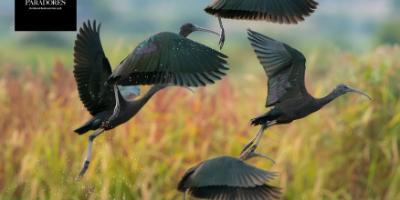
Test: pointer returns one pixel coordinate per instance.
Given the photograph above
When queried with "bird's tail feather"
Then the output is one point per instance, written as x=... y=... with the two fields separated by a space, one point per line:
x=266 y=118
x=260 y=120
x=83 y=129
x=92 y=124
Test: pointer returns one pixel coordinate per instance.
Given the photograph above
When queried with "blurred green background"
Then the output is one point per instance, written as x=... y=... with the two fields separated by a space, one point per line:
x=348 y=150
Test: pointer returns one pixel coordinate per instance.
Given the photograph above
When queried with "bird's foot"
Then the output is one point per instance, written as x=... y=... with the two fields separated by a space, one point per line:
x=256 y=154
x=248 y=152
x=85 y=167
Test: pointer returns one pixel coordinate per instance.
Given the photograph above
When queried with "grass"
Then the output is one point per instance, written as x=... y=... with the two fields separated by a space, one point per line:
x=348 y=150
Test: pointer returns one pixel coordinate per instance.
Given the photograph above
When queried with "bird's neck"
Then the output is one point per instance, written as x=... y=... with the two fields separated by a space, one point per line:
x=137 y=104
x=328 y=98
x=184 y=33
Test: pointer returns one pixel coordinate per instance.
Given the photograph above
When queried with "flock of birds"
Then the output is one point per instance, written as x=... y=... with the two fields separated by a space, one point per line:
x=170 y=59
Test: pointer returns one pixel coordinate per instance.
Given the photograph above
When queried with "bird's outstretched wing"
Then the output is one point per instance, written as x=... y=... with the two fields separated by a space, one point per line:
x=225 y=171
x=91 y=70
x=277 y=11
x=168 y=58
x=263 y=192
x=228 y=178
x=284 y=66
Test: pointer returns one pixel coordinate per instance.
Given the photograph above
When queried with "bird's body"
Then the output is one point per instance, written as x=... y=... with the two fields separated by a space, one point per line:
x=165 y=59
x=295 y=108
x=288 y=97
x=184 y=62
x=289 y=111
x=131 y=108
x=227 y=178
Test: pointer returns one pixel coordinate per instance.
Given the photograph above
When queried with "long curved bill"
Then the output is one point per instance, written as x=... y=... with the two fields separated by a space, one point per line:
x=360 y=92
x=198 y=28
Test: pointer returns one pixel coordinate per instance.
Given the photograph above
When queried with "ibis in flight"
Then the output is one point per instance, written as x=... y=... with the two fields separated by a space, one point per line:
x=287 y=95
x=276 y=11
x=164 y=59
x=226 y=178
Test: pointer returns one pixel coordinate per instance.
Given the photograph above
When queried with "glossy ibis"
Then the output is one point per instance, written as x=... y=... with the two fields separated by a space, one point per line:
x=287 y=94
x=162 y=60
x=276 y=11
x=226 y=178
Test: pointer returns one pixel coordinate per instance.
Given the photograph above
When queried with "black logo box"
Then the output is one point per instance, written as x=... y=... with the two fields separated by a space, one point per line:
x=45 y=15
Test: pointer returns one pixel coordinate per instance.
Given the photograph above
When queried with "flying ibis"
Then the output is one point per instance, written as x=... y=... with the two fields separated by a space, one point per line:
x=162 y=60
x=276 y=11
x=228 y=178
x=287 y=95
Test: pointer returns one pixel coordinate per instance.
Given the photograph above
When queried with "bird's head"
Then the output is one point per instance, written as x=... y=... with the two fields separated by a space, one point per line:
x=189 y=28
x=343 y=89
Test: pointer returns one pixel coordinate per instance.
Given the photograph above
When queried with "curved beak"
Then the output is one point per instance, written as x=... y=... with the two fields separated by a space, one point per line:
x=198 y=28
x=359 y=92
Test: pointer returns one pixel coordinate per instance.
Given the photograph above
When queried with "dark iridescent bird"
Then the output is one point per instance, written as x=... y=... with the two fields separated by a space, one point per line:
x=228 y=178
x=165 y=59
x=287 y=95
x=276 y=11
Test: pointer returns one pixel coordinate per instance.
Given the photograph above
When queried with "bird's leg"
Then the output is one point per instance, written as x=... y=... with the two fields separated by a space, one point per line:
x=89 y=152
x=116 y=108
x=250 y=149
x=261 y=132
x=255 y=140
x=249 y=144
x=222 y=37
x=259 y=135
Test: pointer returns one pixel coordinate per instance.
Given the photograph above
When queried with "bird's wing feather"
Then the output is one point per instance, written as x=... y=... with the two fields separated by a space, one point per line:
x=227 y=193
x=91 y=69
x=284 y=66
x=182 y=185
x=173 y=59
x=278 y=11
x=226 y=171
